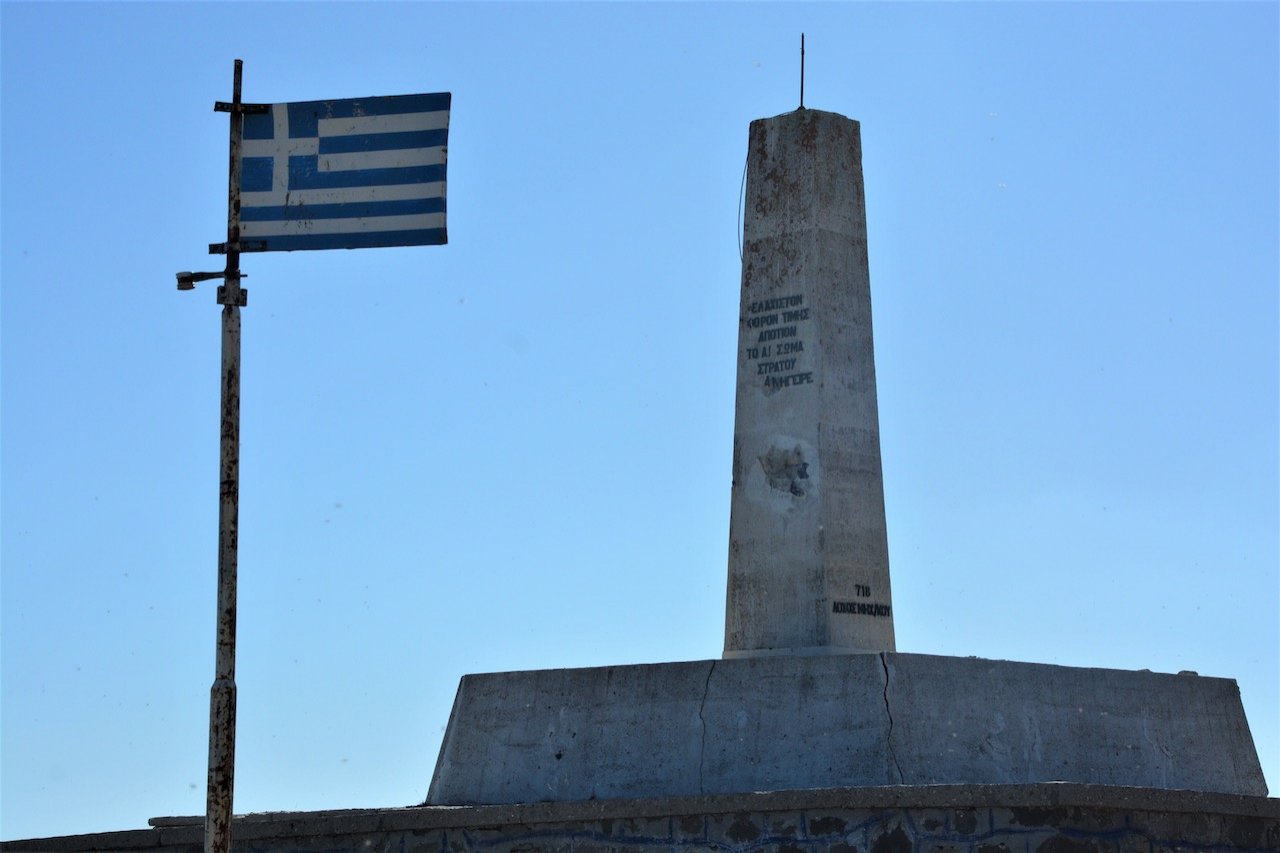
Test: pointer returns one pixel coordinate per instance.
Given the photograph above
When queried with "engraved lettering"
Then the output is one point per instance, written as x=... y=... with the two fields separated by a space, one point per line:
x=861 y=608
x=775 y=366
x=774 y=334
x=775 y=304
x=773 y=383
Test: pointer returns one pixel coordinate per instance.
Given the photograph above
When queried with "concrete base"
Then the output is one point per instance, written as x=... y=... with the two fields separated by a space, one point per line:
x=900 y=819
x=780 y=723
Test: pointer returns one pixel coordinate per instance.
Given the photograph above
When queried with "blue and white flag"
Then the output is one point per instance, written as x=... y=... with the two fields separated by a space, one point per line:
x=348 y=174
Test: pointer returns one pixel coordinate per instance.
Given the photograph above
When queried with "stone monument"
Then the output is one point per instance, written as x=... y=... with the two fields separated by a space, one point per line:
x=811 y=693
x=808 y=551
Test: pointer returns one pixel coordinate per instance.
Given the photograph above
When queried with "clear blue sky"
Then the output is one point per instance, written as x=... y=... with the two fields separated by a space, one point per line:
x=513 y=452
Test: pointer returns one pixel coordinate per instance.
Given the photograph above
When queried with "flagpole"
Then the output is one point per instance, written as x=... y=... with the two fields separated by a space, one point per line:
x=222 y=695
x=427 y=227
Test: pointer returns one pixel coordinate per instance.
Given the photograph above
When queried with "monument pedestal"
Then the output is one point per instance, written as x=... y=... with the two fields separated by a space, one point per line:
x=784 y=723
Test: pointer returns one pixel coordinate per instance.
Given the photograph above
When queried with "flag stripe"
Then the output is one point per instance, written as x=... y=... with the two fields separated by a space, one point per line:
x=400 y=123
x=274 y=147
x=348 y=210
x=259 y=230
x=305 y=174
x=367 y=240
x=382 y=141
x=305 y=116
x=344 y=195
x=363 y=160
x=377 y=106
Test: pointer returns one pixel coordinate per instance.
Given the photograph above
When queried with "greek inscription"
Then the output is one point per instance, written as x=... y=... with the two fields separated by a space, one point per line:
x=774 y=334
x=766 y=320
x=776 y=304
x=862 y=608
x=777 y=323
x=775 y=382
x=775 y=366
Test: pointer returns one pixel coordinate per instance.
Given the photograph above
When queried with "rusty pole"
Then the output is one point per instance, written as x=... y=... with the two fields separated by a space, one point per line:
x=222 y=696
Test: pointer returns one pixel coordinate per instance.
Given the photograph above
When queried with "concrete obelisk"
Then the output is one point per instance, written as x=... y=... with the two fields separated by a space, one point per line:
x=808 y=550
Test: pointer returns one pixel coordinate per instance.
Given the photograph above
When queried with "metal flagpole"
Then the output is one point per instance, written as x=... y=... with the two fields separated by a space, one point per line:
x=222 y=695
x=232 y=297
x=427 y=228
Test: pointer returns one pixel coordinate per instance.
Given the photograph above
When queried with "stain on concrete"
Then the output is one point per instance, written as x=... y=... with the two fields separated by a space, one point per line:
x=1066 y=844
x=786 y=470
x=827 y=826
x=896 y=841
x=1031 y=816
x=966 y=821
x=742 y=829
x=1253 y=832
x=692 y=825
x=940 y=847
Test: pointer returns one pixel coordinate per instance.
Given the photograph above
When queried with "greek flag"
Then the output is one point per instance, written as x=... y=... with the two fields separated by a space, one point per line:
x=349 y=174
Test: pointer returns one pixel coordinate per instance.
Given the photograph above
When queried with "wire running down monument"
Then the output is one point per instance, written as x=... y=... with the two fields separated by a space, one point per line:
x=810 y=693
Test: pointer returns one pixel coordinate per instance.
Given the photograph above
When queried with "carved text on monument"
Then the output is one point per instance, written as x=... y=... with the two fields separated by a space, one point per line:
x=778 y=322
x=861 y=608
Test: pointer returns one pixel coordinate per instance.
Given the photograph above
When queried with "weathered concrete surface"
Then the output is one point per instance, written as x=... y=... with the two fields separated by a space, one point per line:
x=934 y=819
x=808 y=550
x=777 y=723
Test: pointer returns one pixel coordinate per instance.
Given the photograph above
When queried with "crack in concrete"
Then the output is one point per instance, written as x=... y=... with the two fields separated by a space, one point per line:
x=702 y=746
x=884 y=662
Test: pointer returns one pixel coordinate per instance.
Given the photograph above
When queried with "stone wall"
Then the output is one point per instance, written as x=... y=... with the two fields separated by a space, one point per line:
x=1055 y=818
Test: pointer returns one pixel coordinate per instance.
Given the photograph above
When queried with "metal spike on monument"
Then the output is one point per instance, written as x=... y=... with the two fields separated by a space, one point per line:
x=341 y=174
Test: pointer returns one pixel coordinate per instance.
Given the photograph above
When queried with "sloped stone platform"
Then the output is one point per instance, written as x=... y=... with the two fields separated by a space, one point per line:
x=784 y=723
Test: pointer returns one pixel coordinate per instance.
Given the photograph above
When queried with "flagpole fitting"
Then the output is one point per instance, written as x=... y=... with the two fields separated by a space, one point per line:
x=187 y=280
x=242 y=109
x=244 y=246
x=226 y=296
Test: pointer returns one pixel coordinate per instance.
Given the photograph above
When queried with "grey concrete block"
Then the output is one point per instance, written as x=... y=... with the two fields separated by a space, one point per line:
x=779 y=723
x=1021 y=722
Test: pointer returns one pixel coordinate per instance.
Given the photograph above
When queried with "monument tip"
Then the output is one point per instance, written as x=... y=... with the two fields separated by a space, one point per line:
x=802 y=71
